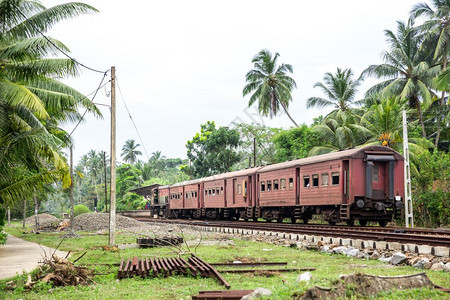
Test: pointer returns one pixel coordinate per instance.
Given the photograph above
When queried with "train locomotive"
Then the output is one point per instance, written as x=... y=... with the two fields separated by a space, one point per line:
x=364 y=184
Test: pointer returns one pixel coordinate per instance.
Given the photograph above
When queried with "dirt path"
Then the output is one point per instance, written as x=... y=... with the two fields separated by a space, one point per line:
x=19 y=255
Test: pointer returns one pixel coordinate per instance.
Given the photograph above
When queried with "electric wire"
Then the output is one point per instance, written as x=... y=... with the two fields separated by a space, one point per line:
x=132 y=120
x=54 y=45
x=92 y=100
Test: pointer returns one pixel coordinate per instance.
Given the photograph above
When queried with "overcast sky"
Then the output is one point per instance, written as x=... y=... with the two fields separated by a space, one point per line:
x=182 y=63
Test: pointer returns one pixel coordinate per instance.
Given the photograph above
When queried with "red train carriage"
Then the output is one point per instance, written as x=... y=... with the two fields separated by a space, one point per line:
x=364 y=184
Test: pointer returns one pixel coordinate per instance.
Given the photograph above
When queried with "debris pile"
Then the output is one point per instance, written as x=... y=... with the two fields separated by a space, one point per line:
x=100 y=221
x=59 y=272
x=228 y=294
x=365 y=285
x=45 y=220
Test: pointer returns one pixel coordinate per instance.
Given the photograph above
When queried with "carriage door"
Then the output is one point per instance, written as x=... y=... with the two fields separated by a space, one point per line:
x=234 y=191
x=225 y=193
x=297 y=186
x=345 y=181
x=380 y=176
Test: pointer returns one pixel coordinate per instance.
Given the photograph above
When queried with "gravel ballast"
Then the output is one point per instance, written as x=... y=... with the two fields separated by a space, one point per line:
x=100 y=221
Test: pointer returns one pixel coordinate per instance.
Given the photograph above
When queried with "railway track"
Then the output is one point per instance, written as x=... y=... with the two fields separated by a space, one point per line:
x=431 y=237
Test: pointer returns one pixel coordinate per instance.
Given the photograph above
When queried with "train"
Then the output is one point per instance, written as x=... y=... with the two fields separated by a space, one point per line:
x=362 y=184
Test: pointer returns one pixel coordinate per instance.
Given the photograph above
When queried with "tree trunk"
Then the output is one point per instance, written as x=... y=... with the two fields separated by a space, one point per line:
x=438 y=132
x=24 y=214
x=287 y=113
x=36 y=211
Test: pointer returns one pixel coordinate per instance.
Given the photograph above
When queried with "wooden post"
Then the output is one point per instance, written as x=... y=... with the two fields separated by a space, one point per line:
x=112 y=208
x=72 y=216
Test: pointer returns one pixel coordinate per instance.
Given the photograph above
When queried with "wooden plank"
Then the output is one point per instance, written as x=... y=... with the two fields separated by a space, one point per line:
x=216 y=274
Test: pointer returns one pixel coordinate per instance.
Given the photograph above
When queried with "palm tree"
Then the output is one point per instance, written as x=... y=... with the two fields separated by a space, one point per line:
x=129 y=152
x=384 y=124
x=340 y=131
x=269 y=84
x=437 y=29
x=340 y=89
x=408 y=74
x=32 y=102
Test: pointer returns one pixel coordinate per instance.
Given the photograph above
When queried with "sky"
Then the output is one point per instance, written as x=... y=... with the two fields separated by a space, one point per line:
x=182 y=63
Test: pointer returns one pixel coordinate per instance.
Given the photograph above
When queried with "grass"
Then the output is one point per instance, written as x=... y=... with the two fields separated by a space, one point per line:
x=328 y=268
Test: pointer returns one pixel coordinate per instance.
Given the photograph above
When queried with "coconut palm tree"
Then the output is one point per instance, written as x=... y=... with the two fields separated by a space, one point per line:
x=340 y=131
x=437 y=30
x=129 y=152
x=407 y=73
x=269 y=84
x=384 y=124
x=340 y=89
x=32 y=102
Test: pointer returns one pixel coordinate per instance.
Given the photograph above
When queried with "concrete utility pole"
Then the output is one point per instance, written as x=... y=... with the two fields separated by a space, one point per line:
x=409 y=218
x=9 y=215
x=106 y=187
x=71 y=191
x=112 y=208
x=254 y=152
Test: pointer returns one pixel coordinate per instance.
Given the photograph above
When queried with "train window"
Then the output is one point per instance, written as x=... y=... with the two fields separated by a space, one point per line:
x=275 y=185
x=315 y=180
x=213 y=191
x=245 y=188
x=217 y=191
x=206 y=192
x=375 y=173
x=209 y=192
x=291 y=183
x=306 y=181
x=269 y=185
x=187 y=195
x=324 y=179
x=239 y=189
x=221 y=190
x=335 y=178
x=283 y=184
x=263 y=186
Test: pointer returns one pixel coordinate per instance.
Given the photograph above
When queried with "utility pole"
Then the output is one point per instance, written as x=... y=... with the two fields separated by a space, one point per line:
x=112 y=208
x=9 y=215
x=106 y=187
x=71 y=190
x=409 y=219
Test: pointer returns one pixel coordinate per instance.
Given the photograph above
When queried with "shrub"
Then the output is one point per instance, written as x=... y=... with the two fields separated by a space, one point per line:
x=79 y=209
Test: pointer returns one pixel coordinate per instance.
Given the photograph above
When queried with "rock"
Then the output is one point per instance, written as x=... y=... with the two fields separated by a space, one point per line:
x=385 y=259
x=447 y=267
x=258 y=293
x=375 y=255
x=266 y=249
x=304 y=277
x=398 y=258
x=437 y=267
x=421 y=263
x=325 y=249
x=340 y=250
x=353 y=252
x=237 y=262
x=427 y=265
x=333 y=246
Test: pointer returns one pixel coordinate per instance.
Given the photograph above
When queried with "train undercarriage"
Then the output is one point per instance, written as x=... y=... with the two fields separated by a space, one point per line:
x=381 y=212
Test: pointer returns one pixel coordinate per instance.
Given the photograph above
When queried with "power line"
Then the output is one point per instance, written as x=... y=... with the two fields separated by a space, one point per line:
x=54 y=45
x=92 y=100
x=129 y=114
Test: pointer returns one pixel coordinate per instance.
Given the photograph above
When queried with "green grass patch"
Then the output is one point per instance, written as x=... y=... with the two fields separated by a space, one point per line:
x=328 y=268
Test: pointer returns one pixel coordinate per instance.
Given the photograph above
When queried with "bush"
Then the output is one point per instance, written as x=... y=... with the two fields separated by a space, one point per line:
x=80 y=209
